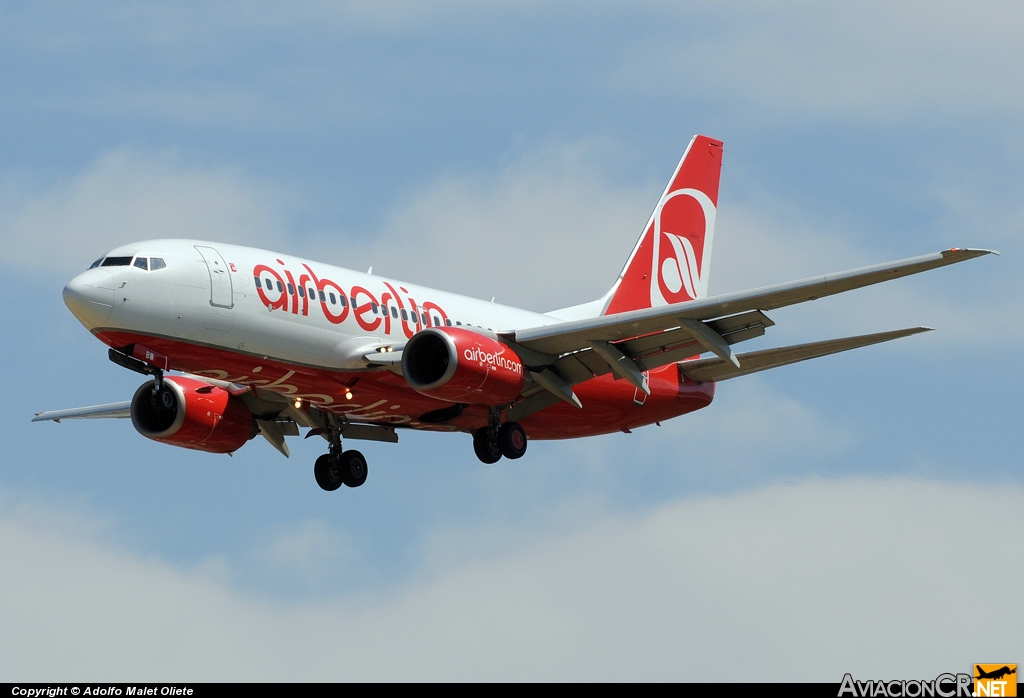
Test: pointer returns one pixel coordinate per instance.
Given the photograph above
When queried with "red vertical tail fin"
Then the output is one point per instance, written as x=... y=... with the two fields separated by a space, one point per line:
x=671 y=262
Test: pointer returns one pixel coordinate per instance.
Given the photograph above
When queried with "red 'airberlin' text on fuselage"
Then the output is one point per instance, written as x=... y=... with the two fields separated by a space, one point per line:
x=282 y=292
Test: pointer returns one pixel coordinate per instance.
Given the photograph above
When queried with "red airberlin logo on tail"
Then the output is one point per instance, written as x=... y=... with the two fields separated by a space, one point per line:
x=684 y=225
x=671 y=260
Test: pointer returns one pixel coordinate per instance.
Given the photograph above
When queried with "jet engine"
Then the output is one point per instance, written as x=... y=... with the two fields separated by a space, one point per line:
x=192 y=414
x=458 y=365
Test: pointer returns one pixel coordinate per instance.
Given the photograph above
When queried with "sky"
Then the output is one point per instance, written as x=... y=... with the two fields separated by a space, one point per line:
x=851 y=514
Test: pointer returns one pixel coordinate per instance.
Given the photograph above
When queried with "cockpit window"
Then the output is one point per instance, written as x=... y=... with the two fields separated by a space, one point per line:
x=96 y=263
x=156 y=263
x=141 y=263
x=116 y=262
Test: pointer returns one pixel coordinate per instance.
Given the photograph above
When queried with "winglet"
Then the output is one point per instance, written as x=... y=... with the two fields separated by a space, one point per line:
x=968 y=252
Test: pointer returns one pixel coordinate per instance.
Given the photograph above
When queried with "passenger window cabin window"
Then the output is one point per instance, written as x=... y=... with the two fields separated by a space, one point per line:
x=405 y=314
x=96 y=263
x=333 y=299
x=415 y=317
x=116 y=262
x=373 y=307
x=258 y=284
x=291 y=290
x=437 y=321
x=323 y=298
x=458 y=322
x=142 y=263
x=448 y=322
x=394 y=312
x=280 y=288
x=156 y=263
x=302 y=291
x=343 y=301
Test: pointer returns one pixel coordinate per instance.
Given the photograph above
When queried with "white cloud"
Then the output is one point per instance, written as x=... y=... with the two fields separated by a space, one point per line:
x=127 y=195
x=876 y=61
x=886 y=579
x=544 y=232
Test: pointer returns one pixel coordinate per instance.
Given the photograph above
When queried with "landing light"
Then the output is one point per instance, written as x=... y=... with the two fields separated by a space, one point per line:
x=298 y=403
x=348 y=394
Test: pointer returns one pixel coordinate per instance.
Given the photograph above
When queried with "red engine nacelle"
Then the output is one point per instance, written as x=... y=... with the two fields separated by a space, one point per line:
x=192 y=414
x=459 y=365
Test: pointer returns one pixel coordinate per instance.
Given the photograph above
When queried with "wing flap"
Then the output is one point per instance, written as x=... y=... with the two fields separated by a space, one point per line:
x=717 y=369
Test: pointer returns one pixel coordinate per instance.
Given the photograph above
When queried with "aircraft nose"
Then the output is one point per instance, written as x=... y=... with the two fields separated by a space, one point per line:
x=90 y=297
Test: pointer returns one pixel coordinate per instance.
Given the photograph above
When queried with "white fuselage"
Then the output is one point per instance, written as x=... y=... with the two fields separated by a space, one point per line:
x=206 y=294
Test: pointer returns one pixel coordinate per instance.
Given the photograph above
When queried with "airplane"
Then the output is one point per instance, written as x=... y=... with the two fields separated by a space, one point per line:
x=996 y=674
x=239 y=342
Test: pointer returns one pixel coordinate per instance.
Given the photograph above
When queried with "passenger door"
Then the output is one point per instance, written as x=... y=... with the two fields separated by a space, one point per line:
x=220 y=277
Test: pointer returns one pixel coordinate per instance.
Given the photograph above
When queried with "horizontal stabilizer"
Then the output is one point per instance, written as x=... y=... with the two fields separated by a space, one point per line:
x=115 y=410
x=717 y=369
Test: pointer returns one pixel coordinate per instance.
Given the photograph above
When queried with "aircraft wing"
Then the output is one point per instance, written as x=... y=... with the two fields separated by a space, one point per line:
x=115 y=410
x=562 y=355
x=575 y=335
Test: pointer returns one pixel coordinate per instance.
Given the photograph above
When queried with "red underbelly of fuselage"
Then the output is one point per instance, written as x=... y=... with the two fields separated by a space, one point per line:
x=383 y=397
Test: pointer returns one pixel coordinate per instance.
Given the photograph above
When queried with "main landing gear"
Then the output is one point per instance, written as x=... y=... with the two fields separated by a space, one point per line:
x=332 y=471
x=492 y=442
x=337 y=468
